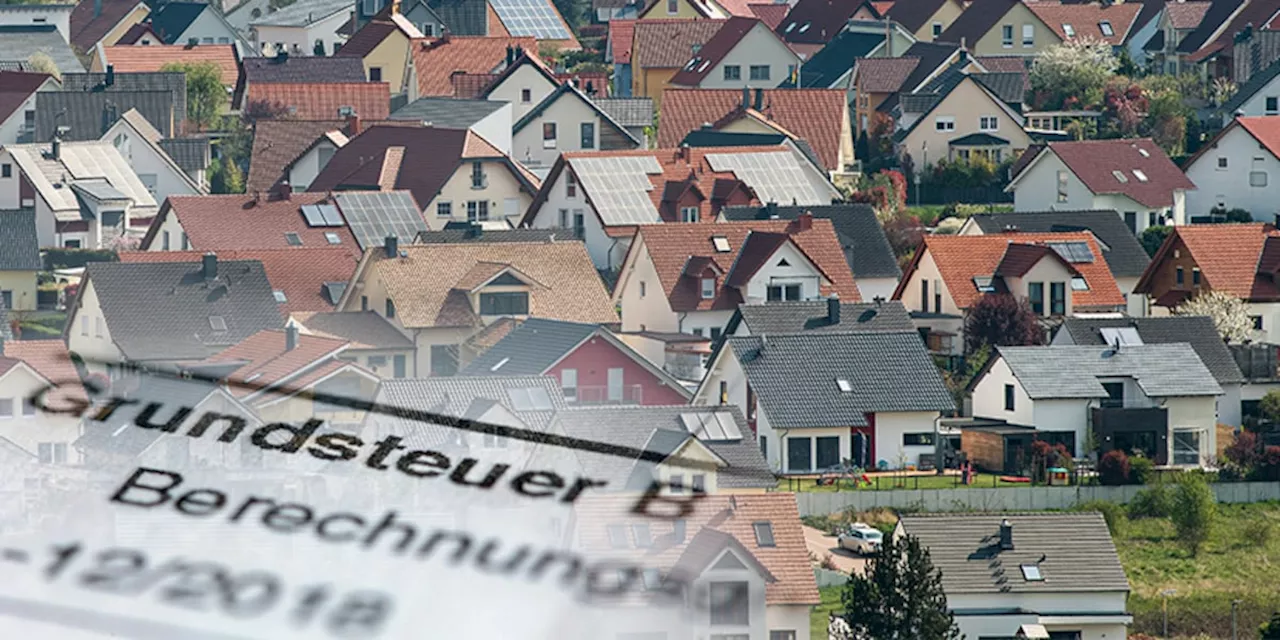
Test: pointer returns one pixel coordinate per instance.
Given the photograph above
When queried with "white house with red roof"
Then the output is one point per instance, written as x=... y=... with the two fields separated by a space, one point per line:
x=745 y=52
x=1238 y=169
x=1134 y=178
x=26 y=366
x=18 y=104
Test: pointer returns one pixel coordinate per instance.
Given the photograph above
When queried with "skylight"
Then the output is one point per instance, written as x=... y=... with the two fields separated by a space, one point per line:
x=805 y=27
x=293 y=239
x=499 y=365
x=1069 y=30
x=1078 y=283
x=764 y=534
x=692 y=63
x=1031 y=573
x=279 y=295
x=1120 y=175
x=1144 y=152
x=703 y=67
x=217 y=323
x=332 y=237
x=844 y=385
x=790 y=27
x=1106 y=28
x=617 y=536
x=1142 y=177
x=984 y=284
x=721 y=244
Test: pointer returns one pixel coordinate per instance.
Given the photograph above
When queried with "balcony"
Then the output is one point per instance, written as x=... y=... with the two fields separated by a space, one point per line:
x=595 y=395
x=26 y=134
x=1132 y=428
x=1258 y=362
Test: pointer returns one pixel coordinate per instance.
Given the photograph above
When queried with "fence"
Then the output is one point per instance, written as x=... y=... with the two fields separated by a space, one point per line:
x=932 y=194
x=1007 y=499
x=828 y=578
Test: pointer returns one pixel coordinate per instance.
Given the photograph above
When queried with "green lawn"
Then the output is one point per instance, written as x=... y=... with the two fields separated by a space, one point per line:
x=928 y=213
x=983 y=481
x=818 y=617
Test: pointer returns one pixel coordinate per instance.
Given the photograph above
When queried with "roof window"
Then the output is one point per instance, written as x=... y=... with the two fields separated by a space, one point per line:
x=279 y=295
x=1144 y=152
x=844 y=385
x=1078 y=283
x=217 y=323
x=805 y=27
x=293 y=239
x=790 y=27
x=1142 y=177
x=1120 y=176
x=764 y=534
x=1031 y=573
x=1069 y=30
x=500 y=363
x=1105 y=26
x=721 y=244
x=332 y=237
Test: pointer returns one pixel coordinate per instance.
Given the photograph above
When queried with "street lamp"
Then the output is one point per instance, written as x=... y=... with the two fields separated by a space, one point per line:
x=1234 y=604
x=1165 y=594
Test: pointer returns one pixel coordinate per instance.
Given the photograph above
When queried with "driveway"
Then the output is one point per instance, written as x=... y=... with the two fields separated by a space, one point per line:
x=821 y=545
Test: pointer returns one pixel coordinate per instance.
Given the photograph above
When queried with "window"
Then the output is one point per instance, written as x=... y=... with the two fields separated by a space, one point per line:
x=1257 y=178
x=364 y=303
x=944 y=123
x=1058 y=298
x=279 y=296
x=28 y=408
x=989 y=123
x=1062 y=186
x=1028 y=35
x=112 y=218
x=377 y=362
x=6 y=408
x=526 y=96
x=1078 y=283
x=375 y=74
x=688 y=214
x=937 y=30
x=790 y=634
x=165 y=242
x=52 y=452
x=1008 y=398
x=1195 y=276
x=579 y=224
x=729 y=603
x=764 y=534
x=84 y=326
x=1031 y=573
x=1069 y=30
x=477 y=176
x=828 y=449
x=1035 y=293
x=1142 y=177
x=673 y=6
x=798 y=454
x=569 y=383
x=923 y=439
x=937 y=296
x=1107 y=31
x=642 y=288
x=617 y=536
x=1257 y=322
x=6 y=171
x=721 y=244
x=1272 y=105
x=764 y=447
x=398 y=366
x=391 y=308
x=570 y=185
x=477 y=210
x=588 y=131
x=676 y=483
x=759 y=72
x=293 y=239
x=186 y=242
x=732 y=72
x=332 y=238
x=699 y=483
x=507 y=303
x=99 y=322
x=444 y=209
x=708 y=288
x=780 y=292
x=724 y=392
x=1222 y=163
x=548 y=135
x=1180 y=276
x=1006 y=35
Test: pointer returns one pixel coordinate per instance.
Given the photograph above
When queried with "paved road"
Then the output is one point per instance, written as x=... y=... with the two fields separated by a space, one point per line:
x=820 y=545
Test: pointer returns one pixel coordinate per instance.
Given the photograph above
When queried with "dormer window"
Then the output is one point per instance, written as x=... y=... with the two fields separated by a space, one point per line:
x=512 y=303
x=708 y=288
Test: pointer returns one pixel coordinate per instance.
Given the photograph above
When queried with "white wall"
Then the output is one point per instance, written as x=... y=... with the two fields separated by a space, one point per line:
x=1037 y=190
x=10 y=129
x=1230 y=186
x=798 y=270
x=89 y=335
x=598 y=244
x=147 y=163
x=303 y=171
x=58 y=15
x=988 y=396
x=650 y=311
x=568 y=112
x=326 y=30
x=889 y=430
x=1063 y=415
x=206 y=26
x=1194 y=413
x=171 y=226
x=759 y=47
x=705 y=320
x=512 y=91
x=781 y=617
x=28 y=432
x=502 y=191
x=1060 y=602
x=870 y=288
x=1257 y=105
x=496 y=128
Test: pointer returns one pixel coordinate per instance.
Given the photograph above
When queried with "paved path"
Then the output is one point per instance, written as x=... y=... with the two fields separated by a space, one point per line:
x=820 y=544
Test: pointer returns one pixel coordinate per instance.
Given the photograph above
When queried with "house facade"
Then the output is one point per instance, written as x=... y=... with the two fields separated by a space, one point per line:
x=743 y=53
x=20 y=261
x=138 y=144
x=969 y=120
x=305 y=30
x=19 y=125
x=26 y=367
x=566 y=120
x=1235 y=169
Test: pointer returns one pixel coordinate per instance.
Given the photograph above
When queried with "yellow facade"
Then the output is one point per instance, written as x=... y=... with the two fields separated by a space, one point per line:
x=22 y=288
x=992 y=43
x=392 y=56
x=138 y=14
x=649 y=83
x=943 y=17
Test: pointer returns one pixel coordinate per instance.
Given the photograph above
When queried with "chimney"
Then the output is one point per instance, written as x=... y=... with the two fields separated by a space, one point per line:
x=280 y=191
x=746 y=98
x=833 y=309
x=391 y=246
x=97 y=8
x=803 y=223
x=771 y=210
x=759 y=99
x=1006 y=535
x=290 y=337
x=111 y=75
x=353 y=124
x=209 y=266
x=476 y=230
x=57 y=147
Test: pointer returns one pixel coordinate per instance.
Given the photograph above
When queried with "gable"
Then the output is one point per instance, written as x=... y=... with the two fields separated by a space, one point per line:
x=511 y=88
x=1018 y=15
x=966 y=102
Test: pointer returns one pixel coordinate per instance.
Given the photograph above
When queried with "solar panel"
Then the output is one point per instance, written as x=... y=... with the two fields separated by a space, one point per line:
x=1073 y=251
x=537 y=18
x=774 y=176
x=712 y=427
x=728 y=426
x=372 y=216
x=619 y=187
x=312 y=213
x=330 y=214
x=1121 y=335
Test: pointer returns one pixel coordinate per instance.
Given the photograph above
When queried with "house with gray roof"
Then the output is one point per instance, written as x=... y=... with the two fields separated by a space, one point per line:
x=89 y=114
x=174 y=82
x=19 y=42
x=825 y=316
x=818 y=400
x=1019 y=575
x=489 y=119
x=1156 y=400
x=634 y=114
x=19 y=260
x=139 y=143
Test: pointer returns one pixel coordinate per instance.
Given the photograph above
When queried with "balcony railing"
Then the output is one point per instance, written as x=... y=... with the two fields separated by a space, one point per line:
x=1257 y=361
x=626 y=394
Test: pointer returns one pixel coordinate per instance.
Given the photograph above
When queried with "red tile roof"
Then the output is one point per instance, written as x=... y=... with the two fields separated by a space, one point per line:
x=1095 y=161
x=672 y=247
x=817 y=115
x=15 y=88
x=371 y=100
x=137 y=59
x=364 y=41
x=436 y=60
x=1266 y=129
x=770 y=13
x=720 y=45
x=962 y=258
x=884 y=75
x=222 y=222
x=1085 y=18
x=276 y=143
x=1229 y=257
x=87 y=30
x=299 y=272
x=621 y=33
x=1252 y=13
x=138 y=32
x=50 y=359
x=1186 y=15
x=667 y=43
x=268 y=363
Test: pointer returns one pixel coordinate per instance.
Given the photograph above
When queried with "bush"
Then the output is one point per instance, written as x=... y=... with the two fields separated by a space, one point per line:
x=73 y=258
x=1271 y=630
x=1153 y=237
x=1156 y=501
x=1117 y=521
x=1257 y=533
x=1142 y=470
x=1194 y=509
x=1113 y=468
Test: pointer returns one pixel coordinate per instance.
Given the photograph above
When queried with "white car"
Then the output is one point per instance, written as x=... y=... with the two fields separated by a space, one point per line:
x=861 y=539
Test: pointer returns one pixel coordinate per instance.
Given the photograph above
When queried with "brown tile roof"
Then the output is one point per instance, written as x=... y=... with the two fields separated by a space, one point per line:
x=1095 y=161
x=50 y=359
x=817 y=115
x=1003 y=64
x=1186 y=15
x=1230 y=257
x=1085 y=19
x=825 y=19
x=15 y=88
x=87 y=30
x=787 y=561
x=621 y=33
x=472 y=85
x=424 y=283
x=138 y=32
x=364 y=41
x=771 y=13
x=299 y=272
x=720 y=45
x=674 y=247
x=737 y=8
x=222 y=222
x=884 y=75
x=962 y=258
x=1254 y=13
x=276 y=143
x=668 y=43
x=135 y=59
x=268 y=363
x=371 y=100
x=435 y=60
x=912 y=14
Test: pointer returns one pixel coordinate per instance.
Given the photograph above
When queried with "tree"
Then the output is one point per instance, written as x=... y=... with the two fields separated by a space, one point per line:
x=1113 y=468
x=899 y=596
x=1270 y=405
x=1072 y=74
x=206 y=95
x=1001 y=320
x=40 y=62
x=1153 y=237
x=1124 y=103
x=1194 y=510
x=1229 y=314
x=226 y=177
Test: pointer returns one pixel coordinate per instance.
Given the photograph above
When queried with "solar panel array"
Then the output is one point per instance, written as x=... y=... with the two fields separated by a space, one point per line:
x=374 y=215
x=322 y=215
x=774 y=176
x=712 y=427
x=1073 y=251
x=531 y=399
x=535 y=18
x=619 y=187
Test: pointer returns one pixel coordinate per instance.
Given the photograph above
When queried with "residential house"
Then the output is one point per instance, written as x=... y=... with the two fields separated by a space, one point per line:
x=824 y=316
x=877 y=82
x=709 y=9
x=1176 y=21
x=323 y=100
x=34 y=365
x=139 y=143
x=19 y=42
x=460 y=66
x=1237 y=259
x=385 y=47
x=811 y=24
x=278 y=147
x=966 y=117
x=59 y=15
x=190 y=23
x=114 y=319
x=525 y=83
x=743 y=53
x=455 y=232
x=104 y=22
x=666 y=185
x=1053 y=585
x=661 y=48
x=303 y=279
x=18 y=104
x=816 y=400
x=134 y=59
x=306 y=70
x=1060 y=274
x=142 y=34
x=85 y=194
x=20 y=260
x=617 y=52
x=1157 y=400
x=303 y=29
x=373 y=341
x=701 y=272
x=1133 y=177
x=1234 y=169
x=866 y=248
x=1209 y=49
x=818 y=117
x=1260 y=96
x=489 y=119
x=193 y=155
x=452 y=174
x=592 y=365
x=84 y=114
x=1112 y=24
x=636 y=115
x=831 y=67
x=442 y=294
x=1198 y=331
x=1125 y=256
x=925 y=19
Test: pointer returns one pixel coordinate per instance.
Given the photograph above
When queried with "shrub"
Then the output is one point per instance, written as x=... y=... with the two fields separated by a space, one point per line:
x=1156 y=501
x=1245 y=451
x=1271 y=629
x=1269 y=467
x=1117 y=521
x=1142 y=470
x=1194 y=509
x=1113 y=468
x=1257 y=533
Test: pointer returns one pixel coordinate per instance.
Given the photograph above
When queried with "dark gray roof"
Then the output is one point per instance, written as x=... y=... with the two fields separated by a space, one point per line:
x=162 y=310
x=453 y=396
x=364 y=327
x=771 y=318
x=173 y=81
x=19 y=42
x=119 y=436
x=714 y=138
x=865 y=246
x=978 y=139
x=1160 y=370
x=190 y=154
x=448 y=236
x=88 y=116
x=303 y=69
x=1120 y=248
x=1198 y=331
x=966 y=549
x=1247 y=90
x=837 y=58
x=531 y=348
x=660 y=429
x=304 y=13
x=447 y=113
x=794 y=376
x=462 y=17
x=171 y=19
x=628 y=112
x=19 y=246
